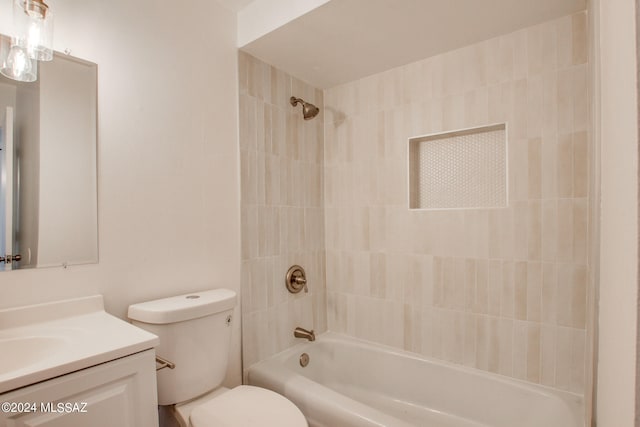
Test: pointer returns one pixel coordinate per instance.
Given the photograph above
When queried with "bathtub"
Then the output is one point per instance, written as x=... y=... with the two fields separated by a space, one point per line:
x=353 y=383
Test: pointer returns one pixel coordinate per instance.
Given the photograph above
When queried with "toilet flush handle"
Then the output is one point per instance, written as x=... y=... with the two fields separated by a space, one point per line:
x=164 y=363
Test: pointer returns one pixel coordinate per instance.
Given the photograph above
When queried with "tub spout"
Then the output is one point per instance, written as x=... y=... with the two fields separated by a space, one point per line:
x=303 y=333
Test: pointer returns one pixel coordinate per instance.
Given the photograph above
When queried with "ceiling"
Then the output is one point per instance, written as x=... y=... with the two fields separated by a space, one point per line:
x=345 y=40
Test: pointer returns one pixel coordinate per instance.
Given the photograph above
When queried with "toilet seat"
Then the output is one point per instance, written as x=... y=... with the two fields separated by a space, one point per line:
x=246 y=406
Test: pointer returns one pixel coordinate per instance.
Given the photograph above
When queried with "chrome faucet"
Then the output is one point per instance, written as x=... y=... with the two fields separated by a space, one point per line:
x=303 y=333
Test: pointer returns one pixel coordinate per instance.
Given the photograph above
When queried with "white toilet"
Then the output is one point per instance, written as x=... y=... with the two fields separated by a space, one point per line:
x=195 y=333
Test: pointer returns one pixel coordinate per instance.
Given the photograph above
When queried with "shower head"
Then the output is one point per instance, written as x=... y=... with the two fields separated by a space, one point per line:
x=309 y=111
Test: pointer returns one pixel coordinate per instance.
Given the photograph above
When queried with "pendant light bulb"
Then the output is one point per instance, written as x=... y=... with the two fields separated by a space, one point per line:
x=19 y=66
x=34 y=28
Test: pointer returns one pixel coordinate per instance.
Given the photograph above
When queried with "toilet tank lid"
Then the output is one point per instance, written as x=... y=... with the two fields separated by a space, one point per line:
x=183 y=307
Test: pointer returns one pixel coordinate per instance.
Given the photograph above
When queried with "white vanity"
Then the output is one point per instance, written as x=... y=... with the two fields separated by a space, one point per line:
x=71 y=364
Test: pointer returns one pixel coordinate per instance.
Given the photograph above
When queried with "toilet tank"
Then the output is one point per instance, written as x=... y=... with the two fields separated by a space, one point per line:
x=195 y=334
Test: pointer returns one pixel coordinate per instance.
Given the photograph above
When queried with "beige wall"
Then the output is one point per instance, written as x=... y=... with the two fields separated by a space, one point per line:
x=618 y=135
x=282 y=208
x=168 y=164
x=502 y=290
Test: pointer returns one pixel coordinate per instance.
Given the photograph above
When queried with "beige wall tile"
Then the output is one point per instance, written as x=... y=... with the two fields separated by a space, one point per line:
x=518 y=169
x=534 y=164
x=426 y=331
x=579 y=39
x=495 y=241
x=378 y=274
x=412 y=328
x=505 y=343
x=565 y=230
x=565 y=166
x=549 y=46
x=533 y=352
x=494 y=345
x=580 y=230
x=507 y=296
x=520 y=56
x=564 y=296
x=459 y=283
x=549 y=164
x=549 y=230
x=482 y=342
x=534 y=230
x=519 y=112
x=520 y=290
x=469 y=284
x=535 y=51
x=506 y=232
x=580 y=164
x=580 y=98
x=565 y=101
x=547 y=355
x=495 y=287
x=448 y=283
x=564 y=30
x=577 y=376
x=550 y=106
x=534 y=291
x=549 y=293
x=245 y=286
x=453 y=116
x=423 y=267
x=579 y=297
x=436 y=334
x=496 y=109
x=476 y=104
x=520 y=339
x=469 y=327
x=520 y=227
x=482 y=287
x=564 y=358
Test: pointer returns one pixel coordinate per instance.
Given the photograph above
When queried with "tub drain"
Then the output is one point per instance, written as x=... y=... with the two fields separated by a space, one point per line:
x=304 y=360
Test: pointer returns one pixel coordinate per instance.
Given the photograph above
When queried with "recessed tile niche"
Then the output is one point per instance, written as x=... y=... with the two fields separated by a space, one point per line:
x=463 y=169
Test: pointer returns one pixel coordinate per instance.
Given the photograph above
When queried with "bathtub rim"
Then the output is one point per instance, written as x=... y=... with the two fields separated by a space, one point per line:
x=574 y=401
x=336 y=336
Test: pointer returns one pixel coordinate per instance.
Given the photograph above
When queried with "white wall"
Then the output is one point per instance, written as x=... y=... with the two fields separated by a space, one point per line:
x=619 y=231
x=168 y=191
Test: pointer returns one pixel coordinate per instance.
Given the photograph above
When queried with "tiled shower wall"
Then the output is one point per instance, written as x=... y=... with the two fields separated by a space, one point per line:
x=503 y=290
x=281 y=207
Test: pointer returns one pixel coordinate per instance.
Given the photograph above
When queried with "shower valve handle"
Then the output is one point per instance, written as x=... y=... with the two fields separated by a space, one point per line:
x=301 y=281
x=296 y=279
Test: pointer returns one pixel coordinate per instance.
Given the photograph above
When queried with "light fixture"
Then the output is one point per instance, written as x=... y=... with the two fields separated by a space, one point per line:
x=16 y=63
x=31 y=40
x=33 y=26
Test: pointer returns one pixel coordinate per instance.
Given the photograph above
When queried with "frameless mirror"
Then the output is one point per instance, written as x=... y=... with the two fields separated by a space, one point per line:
x=48 y=196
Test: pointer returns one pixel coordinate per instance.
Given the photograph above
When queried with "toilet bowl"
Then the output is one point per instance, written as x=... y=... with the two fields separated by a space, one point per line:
x=241 y=406
x=195 y=336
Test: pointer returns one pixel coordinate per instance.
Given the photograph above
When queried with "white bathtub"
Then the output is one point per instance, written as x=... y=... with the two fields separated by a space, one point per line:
x=350 y=382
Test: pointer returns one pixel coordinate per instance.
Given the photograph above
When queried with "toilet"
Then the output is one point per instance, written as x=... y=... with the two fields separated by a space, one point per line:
x=195 y=336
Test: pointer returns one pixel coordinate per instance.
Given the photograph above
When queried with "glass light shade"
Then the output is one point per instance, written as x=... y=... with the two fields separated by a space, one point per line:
x=16 y=64
x=33 y=22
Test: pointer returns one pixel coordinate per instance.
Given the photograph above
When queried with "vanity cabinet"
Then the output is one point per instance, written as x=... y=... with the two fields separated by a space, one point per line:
x=119 y=393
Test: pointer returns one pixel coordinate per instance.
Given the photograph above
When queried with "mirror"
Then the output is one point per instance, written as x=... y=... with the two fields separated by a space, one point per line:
x=48 y=185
